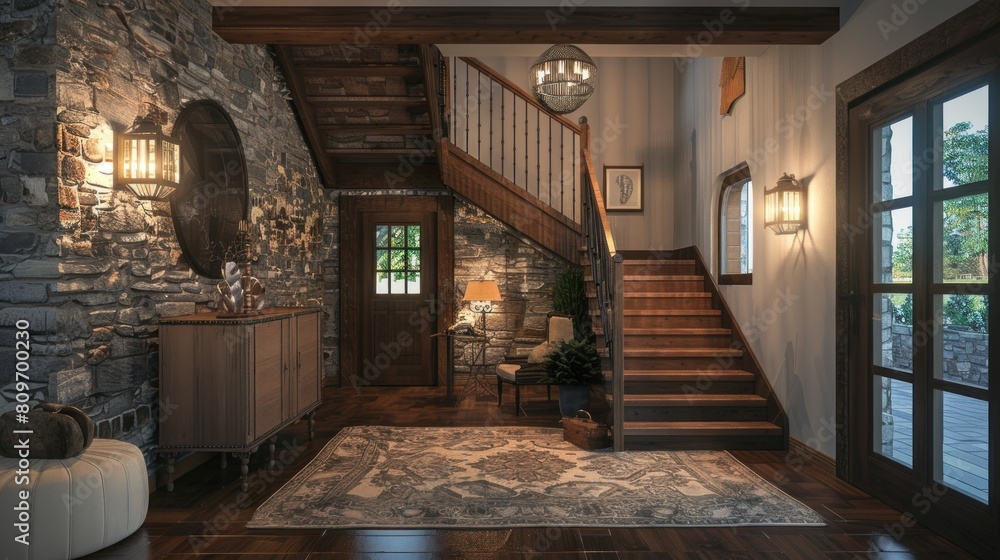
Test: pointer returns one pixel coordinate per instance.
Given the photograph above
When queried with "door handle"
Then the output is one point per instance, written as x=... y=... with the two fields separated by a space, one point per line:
x=853 y=298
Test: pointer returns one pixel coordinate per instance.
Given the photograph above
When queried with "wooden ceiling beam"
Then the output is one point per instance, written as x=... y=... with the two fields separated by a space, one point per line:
x=357 y=71
x=371 y=101
x=307 y=115
x=345 y=26
x=377 y=129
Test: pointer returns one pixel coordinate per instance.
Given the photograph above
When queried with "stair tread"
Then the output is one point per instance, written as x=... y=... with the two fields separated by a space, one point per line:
x=660 y=261
x=676 y=331
x=699 y=428
x=683 y=375
x=661 y=294
x=695 y=399
x=655 y=277
x=664 y=312
x=672 y=352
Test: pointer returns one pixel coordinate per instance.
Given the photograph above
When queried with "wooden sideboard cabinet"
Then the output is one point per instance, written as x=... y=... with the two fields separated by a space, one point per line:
x=231 y=383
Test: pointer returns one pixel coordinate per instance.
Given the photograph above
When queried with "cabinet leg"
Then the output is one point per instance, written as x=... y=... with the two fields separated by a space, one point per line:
x=312 y=424
x=171 y=459
x=270 y=453
x=223 y=463
x=244 y=469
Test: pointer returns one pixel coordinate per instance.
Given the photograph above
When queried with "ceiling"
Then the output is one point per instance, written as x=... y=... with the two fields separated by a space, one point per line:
x=365 y=75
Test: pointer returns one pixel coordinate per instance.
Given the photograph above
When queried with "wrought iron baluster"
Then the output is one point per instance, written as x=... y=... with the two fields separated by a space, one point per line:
x=503 y=131
x=479 y=115
x=466 y=107
x=562 y=170
x=525 y=144
x=550 y=168
x=491 y=123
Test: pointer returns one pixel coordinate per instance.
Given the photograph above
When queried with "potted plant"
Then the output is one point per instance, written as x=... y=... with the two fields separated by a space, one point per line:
x=574 y=366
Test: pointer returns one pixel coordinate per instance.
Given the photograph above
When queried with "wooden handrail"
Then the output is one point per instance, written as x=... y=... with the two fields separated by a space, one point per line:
x=607 y=267
x=599 y=200
x=475 y=63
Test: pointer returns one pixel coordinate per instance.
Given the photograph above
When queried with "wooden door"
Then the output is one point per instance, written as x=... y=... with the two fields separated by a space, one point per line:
x=397 y=288
x=923 y=168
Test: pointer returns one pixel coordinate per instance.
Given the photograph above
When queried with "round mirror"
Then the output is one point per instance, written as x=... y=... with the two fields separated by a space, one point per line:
x=212 y=198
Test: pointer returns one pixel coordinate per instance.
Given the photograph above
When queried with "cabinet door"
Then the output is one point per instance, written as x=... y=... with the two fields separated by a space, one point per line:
x=308 y=360
x=268 y=372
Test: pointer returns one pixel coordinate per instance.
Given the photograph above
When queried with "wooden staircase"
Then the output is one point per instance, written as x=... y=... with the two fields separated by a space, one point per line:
x=690 y=380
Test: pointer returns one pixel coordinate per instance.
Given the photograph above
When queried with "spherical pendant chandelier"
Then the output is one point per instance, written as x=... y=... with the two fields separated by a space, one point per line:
x=563 y=78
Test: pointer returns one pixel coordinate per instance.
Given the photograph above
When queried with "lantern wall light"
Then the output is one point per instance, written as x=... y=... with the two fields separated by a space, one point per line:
x=785 y=205
x=148 y=161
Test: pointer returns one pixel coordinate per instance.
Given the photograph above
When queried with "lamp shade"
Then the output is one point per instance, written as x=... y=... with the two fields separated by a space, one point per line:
x=785 y=206
x=482 y=290
x=563 y=78
x=148 y=161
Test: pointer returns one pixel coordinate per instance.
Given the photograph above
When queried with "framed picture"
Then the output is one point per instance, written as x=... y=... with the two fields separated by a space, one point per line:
x=623 y=188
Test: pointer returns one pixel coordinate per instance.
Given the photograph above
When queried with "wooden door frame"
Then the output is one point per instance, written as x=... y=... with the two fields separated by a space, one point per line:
x=351 y=208
x=958 y=36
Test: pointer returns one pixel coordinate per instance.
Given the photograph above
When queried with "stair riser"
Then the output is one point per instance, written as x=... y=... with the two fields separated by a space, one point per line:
x=695 y=413
x=703 y=387
x=677 y=341
x=673 y=322
x=667 y=443
x=682 y=363
x=658 y=269
x=632 y=286
x=667 y=303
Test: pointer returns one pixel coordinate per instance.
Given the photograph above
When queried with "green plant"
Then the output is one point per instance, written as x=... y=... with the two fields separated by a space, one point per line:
x=569 y=297
x=575 y=362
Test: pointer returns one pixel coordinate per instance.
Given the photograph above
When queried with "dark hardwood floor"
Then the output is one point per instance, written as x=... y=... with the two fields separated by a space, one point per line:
x=206 y=515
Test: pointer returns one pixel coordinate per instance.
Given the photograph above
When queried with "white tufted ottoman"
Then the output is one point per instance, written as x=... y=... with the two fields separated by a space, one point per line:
x=76 y=506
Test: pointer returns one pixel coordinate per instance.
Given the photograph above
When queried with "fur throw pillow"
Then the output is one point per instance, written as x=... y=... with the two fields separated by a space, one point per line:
x=59 y=432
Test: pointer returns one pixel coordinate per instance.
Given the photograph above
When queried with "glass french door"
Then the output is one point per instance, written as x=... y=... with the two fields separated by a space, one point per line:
x=924 y=169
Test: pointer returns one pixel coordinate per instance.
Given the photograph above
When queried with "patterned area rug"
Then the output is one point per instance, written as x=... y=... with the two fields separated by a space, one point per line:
x=375 y=476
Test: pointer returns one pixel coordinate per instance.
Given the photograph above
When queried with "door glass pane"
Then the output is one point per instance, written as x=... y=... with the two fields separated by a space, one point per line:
x=961 y=244
x=413 y=236
x=893 y=157
x=413 y=283
x=892 y=254
x=961 y=457
x=892 y=331
x=381 y=236
x=964 y=343
x=398 y=285
x=381 y=282
x=398 y=260
x=964 y=139
x=892 y=433
x=381 y=260
x=413 y=260
x=399 y=236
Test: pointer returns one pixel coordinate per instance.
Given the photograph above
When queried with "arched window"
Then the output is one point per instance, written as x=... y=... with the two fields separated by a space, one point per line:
x=736 y=227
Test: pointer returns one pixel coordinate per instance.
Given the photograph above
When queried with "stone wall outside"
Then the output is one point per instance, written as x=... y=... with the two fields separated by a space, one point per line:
x=965 y=353
x=90 y=266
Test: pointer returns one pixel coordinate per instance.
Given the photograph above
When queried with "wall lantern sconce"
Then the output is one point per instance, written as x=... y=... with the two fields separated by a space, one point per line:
x=563 y=78
x=148 y=160
x=785 y=205
x=481 y=294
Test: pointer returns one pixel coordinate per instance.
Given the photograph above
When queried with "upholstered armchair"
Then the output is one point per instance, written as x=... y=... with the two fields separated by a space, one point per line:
x=559 y=328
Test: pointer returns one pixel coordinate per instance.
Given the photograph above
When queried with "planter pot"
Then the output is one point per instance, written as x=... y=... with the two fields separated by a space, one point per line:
x=573 y=398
